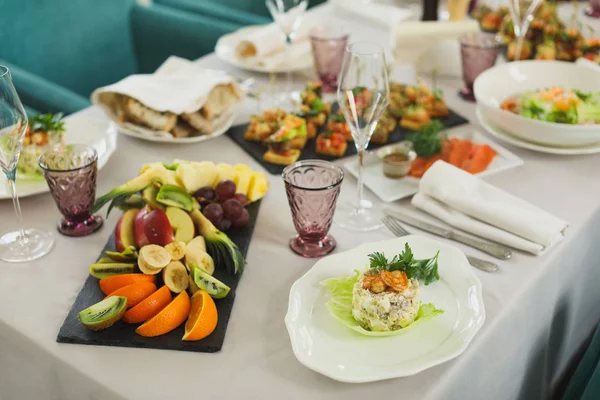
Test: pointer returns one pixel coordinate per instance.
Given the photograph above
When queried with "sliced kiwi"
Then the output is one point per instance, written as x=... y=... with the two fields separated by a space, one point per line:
x=212 y=285
x=104 y=270
x=149 y=196
x=104 y=314
x=105 y=260
x=128 y=255
x=171 y=195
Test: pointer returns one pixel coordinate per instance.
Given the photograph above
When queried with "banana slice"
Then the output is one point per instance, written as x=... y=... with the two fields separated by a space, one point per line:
x=192 y=287
x=176 y=250
x=196 y=257
x=176 y=277
x=155 y=256
x=198 y=242
x=147 y=269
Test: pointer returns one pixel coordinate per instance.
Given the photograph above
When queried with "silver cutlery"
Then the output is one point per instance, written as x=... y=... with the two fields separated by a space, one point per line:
x=493 y=249
x=394 y=226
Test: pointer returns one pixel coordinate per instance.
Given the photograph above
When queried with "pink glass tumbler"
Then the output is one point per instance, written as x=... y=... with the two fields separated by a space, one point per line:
x=312 y=188
x=593 y=9
x=478 y=51
x=328 y=46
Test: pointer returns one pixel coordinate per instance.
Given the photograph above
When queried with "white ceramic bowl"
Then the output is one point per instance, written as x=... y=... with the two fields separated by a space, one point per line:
x=502 y=81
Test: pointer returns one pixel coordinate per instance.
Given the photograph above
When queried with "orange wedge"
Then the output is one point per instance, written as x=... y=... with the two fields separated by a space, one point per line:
x=149 y=307
x=168 y=319
x=110 y=284
x=203 y=317
x=135 y=293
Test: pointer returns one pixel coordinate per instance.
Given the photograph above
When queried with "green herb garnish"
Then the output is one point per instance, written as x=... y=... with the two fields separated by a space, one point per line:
x=358 y=90
x=317 y=105
x=583 y=96
x=47 y=122
x=425 y=270
x=427 y=142
x=337 y=118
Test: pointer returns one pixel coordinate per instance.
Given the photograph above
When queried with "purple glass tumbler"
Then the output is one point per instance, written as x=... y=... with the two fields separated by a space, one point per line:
x=593 y=9
x=328 y=46
x=71 y=175
x=312 y=188
x=478 y=52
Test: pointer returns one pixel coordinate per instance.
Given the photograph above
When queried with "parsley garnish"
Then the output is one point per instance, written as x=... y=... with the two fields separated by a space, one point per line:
x=357 y=90
x=47 y=122
x=425 y=270
x=583 y=96
x=427 y=142
x=338 y=118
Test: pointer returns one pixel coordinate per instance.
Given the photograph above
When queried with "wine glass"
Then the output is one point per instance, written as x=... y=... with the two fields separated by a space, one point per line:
x=24 y=244
x=363 y=95
x=521 y=12
x=288 y=16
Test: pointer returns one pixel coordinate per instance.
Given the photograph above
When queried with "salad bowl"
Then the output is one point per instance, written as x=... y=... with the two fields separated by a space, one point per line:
x=495 y=85
x=323 y=344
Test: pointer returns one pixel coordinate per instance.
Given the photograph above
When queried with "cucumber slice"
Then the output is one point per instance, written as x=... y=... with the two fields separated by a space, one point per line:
x=104 y=270
x=104 y=314
x=212 y=285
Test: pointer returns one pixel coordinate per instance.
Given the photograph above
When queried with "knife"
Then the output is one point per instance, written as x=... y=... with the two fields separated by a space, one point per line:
x=492 y=249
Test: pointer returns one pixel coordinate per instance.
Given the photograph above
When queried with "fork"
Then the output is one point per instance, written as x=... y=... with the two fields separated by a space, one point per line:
x=478 y=263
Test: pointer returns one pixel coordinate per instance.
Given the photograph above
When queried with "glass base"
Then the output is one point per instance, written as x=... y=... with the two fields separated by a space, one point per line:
x=312 y=249
x=467 y=94
x=592 y=12
x=361 y=219
x=77 y=229
x=37 y=244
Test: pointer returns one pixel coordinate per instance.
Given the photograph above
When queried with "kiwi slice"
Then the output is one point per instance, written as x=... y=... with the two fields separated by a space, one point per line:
x=212 y=285
x=128 y=255
x=104 y=314
x=104 y=270
x=171 y=195
x=105 y=260
x=149 y=197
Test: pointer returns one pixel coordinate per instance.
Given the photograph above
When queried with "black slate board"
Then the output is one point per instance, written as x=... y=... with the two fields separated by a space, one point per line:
x=123 y=335
x=257 y=150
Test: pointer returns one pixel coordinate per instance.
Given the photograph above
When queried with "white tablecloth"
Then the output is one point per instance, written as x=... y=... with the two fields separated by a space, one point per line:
x=539 y=310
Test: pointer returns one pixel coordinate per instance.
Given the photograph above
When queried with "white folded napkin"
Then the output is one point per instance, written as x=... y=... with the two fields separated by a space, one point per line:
x=468 y=203
x=584 y=62
x=379 y=14
x=179 y=86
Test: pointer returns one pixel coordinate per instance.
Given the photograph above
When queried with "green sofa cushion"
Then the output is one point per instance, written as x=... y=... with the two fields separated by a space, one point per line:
x=217 y=10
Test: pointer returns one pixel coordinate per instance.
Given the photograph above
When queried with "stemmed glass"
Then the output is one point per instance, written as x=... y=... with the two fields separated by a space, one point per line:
x=363 y=95
x=521 y=12
x=288 y=16
x=24 y=244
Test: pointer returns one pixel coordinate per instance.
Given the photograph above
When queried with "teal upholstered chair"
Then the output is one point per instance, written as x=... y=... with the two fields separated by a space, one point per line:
x=61 y=50
x=245 y=12
x=585 y=383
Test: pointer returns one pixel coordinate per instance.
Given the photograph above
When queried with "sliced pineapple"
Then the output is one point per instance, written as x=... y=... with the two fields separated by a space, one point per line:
x=243 y=176
x=259 y=186
x=224 y=172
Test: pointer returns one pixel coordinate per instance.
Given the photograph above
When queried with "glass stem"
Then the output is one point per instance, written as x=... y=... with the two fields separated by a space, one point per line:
x=13 y=192
x=288 y=73
x=361 y=157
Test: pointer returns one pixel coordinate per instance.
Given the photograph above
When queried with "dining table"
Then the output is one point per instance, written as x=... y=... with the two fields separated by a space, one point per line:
x=539 y=309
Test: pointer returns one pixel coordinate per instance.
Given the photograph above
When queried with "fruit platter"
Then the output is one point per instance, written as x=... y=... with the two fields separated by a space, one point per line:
x=319 y=130
x=167 y=277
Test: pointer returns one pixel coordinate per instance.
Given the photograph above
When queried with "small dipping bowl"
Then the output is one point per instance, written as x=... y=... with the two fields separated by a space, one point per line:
x=396 y=160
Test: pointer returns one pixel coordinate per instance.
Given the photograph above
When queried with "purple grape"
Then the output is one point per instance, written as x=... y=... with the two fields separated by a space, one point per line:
x=206 y=193
x=242 y=220
x=242 y=198
x=214 y=212
x=225 y=190
x=223 y=225
x=232 y=209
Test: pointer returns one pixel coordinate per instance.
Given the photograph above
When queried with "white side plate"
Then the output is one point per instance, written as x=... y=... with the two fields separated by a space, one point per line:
x=388 y=189
x=99 y=133
x=326 y=346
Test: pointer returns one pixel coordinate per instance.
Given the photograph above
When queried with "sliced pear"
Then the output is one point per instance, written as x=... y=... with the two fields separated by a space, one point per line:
x=176 y=277
x=176 y=250
x=105 y=270
x=104 y=314
x=154 y=256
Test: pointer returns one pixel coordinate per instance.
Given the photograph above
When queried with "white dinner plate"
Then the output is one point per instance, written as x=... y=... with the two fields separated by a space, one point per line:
x=388 y=189
x=325 y=345
x=222 y=124
x=225 y=51
x=99 y=133
x=508 y=138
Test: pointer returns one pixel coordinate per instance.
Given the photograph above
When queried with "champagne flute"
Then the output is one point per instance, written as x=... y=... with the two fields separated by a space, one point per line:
x=24 y=244
x=288 y=16
x=521 y=12
x=363 y=95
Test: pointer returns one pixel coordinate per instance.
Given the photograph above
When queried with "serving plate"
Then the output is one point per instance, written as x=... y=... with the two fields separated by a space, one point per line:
x=493 y=86
x=101 y=134
x=516 y=141
x=388 y=189
x=225 y=51
x=324 y=345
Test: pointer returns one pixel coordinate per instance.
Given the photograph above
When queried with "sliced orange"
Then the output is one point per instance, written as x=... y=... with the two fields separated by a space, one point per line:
x=149 y=307
x=135 y=292
x=203 y=317
x=110 y=284
x=168 y=319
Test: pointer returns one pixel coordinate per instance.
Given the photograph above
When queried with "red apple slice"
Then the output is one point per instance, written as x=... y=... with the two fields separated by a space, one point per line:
x=138 y=228
x=124 y=236
x=157 y=228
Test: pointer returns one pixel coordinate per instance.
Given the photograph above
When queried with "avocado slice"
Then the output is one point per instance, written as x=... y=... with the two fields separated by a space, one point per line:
x=104 y=314
x=171 y=195
x=104 y=270
x=212 y=285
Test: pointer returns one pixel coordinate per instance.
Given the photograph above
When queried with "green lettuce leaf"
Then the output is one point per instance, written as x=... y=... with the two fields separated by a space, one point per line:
x=340 y=307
